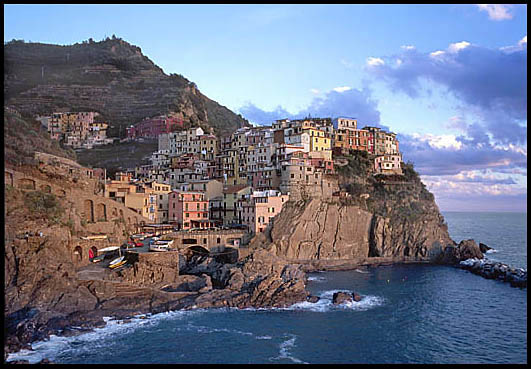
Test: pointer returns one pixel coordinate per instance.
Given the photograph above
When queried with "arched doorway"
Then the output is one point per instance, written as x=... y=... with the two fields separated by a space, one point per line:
x=26 y=184
x=46 y=188
x=8 y=178
x=101 y=213
x=77 y=254
x=93 y=252
x=89 y=210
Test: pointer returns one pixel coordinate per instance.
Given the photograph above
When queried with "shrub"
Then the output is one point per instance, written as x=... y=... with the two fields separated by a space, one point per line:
x=44 y=205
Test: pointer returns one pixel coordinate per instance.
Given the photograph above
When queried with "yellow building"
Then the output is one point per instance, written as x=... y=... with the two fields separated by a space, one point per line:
x=319 y=141
x=208 y=147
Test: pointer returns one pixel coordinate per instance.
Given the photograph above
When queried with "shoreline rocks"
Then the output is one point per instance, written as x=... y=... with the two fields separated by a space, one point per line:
x=517 y=277
x=342 y=297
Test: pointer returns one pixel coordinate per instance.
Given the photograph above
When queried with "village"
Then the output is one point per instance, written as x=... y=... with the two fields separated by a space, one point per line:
x=222 y=191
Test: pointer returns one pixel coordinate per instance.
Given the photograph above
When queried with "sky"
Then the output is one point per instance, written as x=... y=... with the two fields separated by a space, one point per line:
x=450 y=79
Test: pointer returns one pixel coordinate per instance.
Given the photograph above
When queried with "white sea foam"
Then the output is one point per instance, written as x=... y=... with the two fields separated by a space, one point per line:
x=285 y=348
x=362 y=271
x=491 y=251
x=73 y=345
x=325 y=303
x=316 y=278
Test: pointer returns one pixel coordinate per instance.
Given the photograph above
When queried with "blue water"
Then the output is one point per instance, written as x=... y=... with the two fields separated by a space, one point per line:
x=505 y=232
x=408 y=314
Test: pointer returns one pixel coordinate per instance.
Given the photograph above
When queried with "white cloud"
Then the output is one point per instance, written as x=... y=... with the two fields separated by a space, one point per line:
x=314 y=91
x=341 y=89
x=496 y=12
x=454 y=48
x=522 y=44
x=374 y=61
x=439 y=142
x=398 y=61
x=436 y=53
x=408 y=47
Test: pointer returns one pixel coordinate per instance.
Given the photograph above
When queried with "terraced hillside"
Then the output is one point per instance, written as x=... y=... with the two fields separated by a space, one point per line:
x=111 y=77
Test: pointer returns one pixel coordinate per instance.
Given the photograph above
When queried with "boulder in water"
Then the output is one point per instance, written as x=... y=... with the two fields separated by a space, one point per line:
x=341 y=297
x=313 y=299
x=484 y=248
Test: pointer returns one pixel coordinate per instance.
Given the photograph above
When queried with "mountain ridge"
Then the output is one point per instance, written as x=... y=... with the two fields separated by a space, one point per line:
x=111 y=77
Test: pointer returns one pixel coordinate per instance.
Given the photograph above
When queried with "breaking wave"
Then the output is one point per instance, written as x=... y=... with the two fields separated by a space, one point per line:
x=325 y=303
x=285 y=348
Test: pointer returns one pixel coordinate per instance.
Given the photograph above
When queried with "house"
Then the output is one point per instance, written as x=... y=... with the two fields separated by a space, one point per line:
x=188 y=209
x=258 y=209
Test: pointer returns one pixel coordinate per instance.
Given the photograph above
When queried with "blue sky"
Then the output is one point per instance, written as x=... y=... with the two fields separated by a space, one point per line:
x=450 y=79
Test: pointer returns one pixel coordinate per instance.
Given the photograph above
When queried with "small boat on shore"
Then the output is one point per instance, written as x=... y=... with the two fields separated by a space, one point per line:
x=160 y=245
x=117 y=262
x=138 y=237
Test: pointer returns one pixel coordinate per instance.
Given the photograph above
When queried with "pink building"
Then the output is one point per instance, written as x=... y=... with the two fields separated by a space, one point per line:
x=189 y=210
x=258 y=209
x=153 y=127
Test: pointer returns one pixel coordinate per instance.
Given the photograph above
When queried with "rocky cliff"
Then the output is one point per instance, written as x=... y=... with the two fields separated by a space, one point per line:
x=111 y=77
x=368 y=217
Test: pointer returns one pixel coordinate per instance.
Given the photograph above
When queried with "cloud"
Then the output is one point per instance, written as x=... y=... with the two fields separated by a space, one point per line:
x=341 y=89
x=496 y=12
x=374 y=61
x=408 y=47
x=339 y=101
x=449 y=155
x=491 y=83
x=314 y=91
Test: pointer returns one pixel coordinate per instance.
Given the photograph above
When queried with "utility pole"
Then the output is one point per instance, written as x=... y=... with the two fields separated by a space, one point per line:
x=104 y=181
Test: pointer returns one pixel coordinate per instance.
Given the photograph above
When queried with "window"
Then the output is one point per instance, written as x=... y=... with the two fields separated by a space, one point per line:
x=187 y=215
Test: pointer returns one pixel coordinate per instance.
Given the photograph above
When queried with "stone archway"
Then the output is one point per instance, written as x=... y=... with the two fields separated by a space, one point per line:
x=101 y=212
x=77 y=255
x=46 y=188
x=26 y=184
x=93 y=252
x=89 y=210
x=122 y=214
x=8 y=179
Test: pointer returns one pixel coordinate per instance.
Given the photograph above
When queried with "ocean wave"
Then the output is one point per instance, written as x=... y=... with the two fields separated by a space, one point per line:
x=362 y=271
x=284 y=352
x=85 y=342
x=325 y=303
x=491 y=251
x=316 y=278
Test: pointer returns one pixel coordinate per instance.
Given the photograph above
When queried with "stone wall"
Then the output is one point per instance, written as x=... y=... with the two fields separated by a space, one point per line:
x=154 y=269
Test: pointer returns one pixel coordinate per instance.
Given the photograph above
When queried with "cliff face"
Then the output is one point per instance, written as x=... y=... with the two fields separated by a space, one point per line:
x=373 y=218
x=111 y=77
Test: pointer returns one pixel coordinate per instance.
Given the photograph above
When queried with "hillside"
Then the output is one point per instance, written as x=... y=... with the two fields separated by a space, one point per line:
x=23 y=136
x=111 y=77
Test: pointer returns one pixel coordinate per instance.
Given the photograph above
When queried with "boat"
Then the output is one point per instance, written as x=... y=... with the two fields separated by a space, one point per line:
x=117 y=262
x=161 y=245
x=118 y=265
x=108 y=249
x=155 y=238
x=98 y=258
x=159 y=248
x=138 y=236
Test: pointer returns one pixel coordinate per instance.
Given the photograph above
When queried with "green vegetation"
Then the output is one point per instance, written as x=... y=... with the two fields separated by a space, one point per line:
x=399 y=197
x=44 y=205
x=118 y=156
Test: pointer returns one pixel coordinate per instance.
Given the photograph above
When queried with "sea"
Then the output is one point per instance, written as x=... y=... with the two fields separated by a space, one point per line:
x=408 y=314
